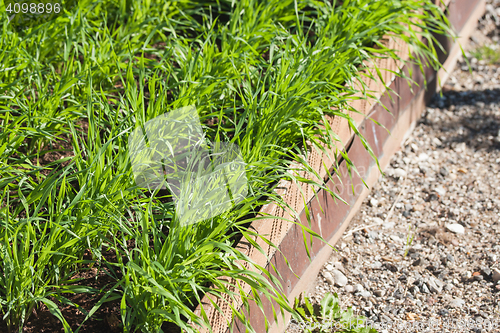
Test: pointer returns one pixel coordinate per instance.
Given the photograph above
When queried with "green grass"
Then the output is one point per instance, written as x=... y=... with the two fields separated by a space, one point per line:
x=74 y=88
x=489 y=53
x=327 y=316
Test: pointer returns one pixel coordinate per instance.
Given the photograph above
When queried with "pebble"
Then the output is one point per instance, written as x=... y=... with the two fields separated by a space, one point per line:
x=496 y=275
x=379 y=293
x=457 y=303
x=423 y=157
x=419 y=262
x=456 y=228
x=435 y=285
x=437 y=142
x=440 y=190
x=399 y=173
x=338 y=278
x=396 y=238
x=348 y=288
x=425 y=289
x=364 y=294
x=329 y=278
x=486 y=271
x=374 y=202
x=338 y=265
x=444 y=171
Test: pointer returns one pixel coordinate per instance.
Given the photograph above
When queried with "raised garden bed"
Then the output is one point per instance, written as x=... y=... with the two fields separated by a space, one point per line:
x=86 y=249
x=330 y=217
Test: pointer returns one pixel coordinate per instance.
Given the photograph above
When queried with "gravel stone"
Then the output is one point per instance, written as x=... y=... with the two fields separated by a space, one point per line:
x=457 y=303
x=496 y=275
x=349 y=289
x=456 y=228
x=339 y=278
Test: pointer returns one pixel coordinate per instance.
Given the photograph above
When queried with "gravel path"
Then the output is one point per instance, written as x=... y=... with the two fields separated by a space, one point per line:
x=444 y=187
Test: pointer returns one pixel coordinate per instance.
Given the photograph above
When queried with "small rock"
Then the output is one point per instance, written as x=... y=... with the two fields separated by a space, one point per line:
x=358 y=288
x=329 y=267
x=496 y=275
x=460 y=147
x=338 y=265
x=379 y=293
x=423 y=157
x=456 y=228
x=425 y=289
x=437 y=142
x=398 y=294
x=396 y=238
x=374 y=202
x=485 y=271
x=419 y=262
x=348 y=288
x=376 y=264
x=435 y=285
x=365 y=294
x=338 y=278
x=444 y=171
x=457 y=303
x=448 y=287
x=440 y=190
x=373 y=234
x=391 y=267
x=385 y=319
x=329 y=278
x=399 y=173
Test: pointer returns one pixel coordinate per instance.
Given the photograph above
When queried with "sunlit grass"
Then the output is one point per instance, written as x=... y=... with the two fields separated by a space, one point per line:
x=489 y=53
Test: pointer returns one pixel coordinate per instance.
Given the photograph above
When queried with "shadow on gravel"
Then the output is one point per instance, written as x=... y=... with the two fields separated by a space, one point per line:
x=470 y=117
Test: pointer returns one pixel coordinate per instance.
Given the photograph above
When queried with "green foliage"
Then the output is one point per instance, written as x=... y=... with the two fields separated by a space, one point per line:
x=489 y=53
x=262 y=74
x=328 y=316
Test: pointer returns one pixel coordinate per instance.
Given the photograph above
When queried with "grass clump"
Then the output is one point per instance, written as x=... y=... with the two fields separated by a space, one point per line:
x=488 y=53
x=327 y=316
x=264 y=75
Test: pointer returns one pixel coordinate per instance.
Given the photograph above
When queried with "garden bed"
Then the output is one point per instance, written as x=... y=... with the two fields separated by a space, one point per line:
x=267 y=79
